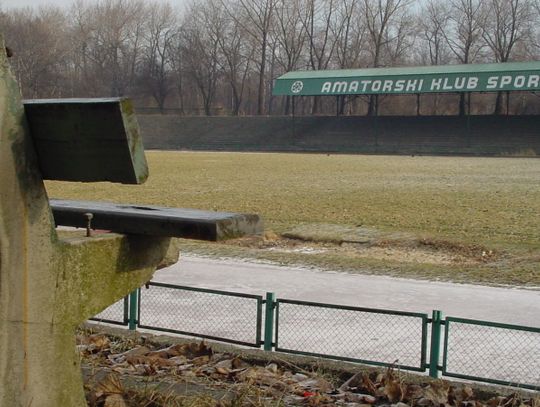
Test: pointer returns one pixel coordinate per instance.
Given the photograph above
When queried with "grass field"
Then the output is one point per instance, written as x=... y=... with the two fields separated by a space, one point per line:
x=469 y=219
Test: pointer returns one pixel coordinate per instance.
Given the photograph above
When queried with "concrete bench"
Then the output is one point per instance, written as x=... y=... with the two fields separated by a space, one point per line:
x=155 y=220
x=49 y=285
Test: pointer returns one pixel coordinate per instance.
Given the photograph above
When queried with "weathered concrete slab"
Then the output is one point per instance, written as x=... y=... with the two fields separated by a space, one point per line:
x=87 y=140
x=156 y=221
x=48 y=285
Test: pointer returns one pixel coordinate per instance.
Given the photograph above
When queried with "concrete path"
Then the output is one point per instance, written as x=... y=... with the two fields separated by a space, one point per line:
x=474 y=350
x=507 y=305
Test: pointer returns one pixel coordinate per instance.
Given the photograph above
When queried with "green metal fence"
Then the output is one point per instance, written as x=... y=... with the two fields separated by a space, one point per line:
x=212 y=314
x=117 y=314
x=492 y=352
x=454 y=347
x=366 y=335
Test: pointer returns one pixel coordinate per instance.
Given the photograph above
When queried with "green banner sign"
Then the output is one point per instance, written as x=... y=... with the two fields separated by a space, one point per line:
x=315 y=83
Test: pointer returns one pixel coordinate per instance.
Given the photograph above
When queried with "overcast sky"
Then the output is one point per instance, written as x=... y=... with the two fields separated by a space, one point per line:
x=61 y=3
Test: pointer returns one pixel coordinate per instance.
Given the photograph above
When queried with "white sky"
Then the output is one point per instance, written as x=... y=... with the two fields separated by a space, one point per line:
x=6 y=4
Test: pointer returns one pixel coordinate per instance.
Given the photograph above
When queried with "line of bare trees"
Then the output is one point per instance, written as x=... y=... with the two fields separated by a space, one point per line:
x=222 y=56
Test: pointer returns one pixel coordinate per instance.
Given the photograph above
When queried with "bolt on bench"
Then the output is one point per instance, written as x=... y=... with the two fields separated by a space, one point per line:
x=48 y=284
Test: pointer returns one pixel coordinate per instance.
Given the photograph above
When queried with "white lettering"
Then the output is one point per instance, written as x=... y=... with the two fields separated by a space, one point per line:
x=421 y=85
x=506 y=80
x=365 y=85
x=387 y=87
x=400 y=85
x=376 y=86
x=460 y=83
x=436 y=84
x=326 y=87
x=446 y=86
x=411 y=85
x=353 y=86
x=519 y=81
x=339 y=87
x=534 y=81
x=492 y=82
x=472 y=83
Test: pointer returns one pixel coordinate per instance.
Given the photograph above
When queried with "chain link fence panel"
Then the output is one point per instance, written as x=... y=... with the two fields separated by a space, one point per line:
x=116 y=313
x=492 y=352
x=378 y=337
x=220 y=315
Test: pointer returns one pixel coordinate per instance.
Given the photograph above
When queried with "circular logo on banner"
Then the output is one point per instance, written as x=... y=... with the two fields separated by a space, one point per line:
x=297 y=87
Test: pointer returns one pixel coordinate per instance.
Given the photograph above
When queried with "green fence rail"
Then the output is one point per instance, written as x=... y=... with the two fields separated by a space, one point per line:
x=365 y=335
x=454 y=347
x=219 y=315
x=116 y=314
x=473 y=350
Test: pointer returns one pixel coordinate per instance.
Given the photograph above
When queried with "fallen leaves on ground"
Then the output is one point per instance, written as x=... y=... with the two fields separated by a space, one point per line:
x=275 y=384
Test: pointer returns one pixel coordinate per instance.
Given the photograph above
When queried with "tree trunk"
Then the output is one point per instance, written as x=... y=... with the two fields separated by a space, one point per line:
x=498 y=104
x=372 y=105
x=462 y=104
x=316 y=104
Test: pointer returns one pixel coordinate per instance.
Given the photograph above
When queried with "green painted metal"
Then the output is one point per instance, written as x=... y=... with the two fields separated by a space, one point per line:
x=133 y=308
x=269 y=321
x=259 y=340
x=271 y=332
x=87 y=140
x=126 y=310
x=494 y=324
x=350 y=308
x=205 y=290
x=435 y=348
x=258 y=330
x=125 y=315
x=515 y=76
x=424 y=317
x=444 y=369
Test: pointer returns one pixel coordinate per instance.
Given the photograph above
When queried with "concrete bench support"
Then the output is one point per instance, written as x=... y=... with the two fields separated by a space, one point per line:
x=48 y=286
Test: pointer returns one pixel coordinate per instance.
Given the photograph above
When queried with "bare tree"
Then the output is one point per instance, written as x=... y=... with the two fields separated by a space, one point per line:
x=506 y=23
x=290 y=35
x=200 y=49
x=256 y=18
x=464 y=34
x=235 y=54
x=432 y=22
x=385 y=22
x=38 y=39
x=159 y=35
x=110 y=32
x=317 y=19
x=229 y=52
x=351 y=36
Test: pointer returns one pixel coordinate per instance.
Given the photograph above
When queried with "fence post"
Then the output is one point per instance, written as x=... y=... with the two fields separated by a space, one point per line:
x=133 y=306
x=126 y=310
x=269 y=321
x=435 y=348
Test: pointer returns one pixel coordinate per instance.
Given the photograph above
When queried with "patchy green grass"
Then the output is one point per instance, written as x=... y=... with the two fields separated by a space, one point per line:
x=489 y=202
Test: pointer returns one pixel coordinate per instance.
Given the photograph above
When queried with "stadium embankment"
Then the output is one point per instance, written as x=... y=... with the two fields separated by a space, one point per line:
x=437 y=135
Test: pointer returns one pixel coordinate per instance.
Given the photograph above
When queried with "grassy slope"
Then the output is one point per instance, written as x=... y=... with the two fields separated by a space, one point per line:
x=493 y=202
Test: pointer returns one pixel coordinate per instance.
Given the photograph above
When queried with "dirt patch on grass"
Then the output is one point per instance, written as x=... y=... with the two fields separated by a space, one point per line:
x=366 y=243
x=490 y=202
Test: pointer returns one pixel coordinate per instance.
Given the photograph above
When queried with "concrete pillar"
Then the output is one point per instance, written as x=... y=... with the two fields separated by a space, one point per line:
x=48 y=286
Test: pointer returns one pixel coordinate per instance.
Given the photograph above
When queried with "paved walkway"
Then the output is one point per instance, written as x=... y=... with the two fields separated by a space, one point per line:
x=508 y=305
x=474 y=350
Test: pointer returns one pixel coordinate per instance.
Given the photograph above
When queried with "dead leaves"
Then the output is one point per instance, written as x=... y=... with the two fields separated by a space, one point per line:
x=291 y=386
x=109 y=392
